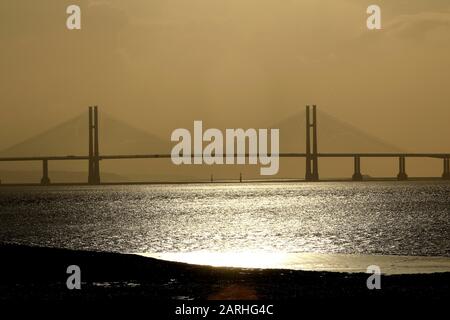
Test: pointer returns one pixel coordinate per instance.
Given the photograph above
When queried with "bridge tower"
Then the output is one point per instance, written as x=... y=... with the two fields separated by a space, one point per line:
x=446 y=174
x=94 y=160
x=45 y=180
x=357 y=176
x=312 y=163
x=402 y=169
x=91 y=149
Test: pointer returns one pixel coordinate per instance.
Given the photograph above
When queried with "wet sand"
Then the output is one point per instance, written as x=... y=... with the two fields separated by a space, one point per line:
x=39 y=274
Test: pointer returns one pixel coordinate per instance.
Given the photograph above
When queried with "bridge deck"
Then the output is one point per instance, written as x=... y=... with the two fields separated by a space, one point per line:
x=281 y=155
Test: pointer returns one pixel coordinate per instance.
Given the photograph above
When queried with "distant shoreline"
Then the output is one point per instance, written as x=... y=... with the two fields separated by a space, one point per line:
x=39 y=274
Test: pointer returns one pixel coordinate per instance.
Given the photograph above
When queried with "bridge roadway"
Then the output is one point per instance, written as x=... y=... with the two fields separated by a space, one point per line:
x=281 y=155
x=357 y=175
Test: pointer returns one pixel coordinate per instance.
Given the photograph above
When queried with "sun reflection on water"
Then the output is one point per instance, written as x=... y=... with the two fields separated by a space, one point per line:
x=309 y=261
x=240 y=259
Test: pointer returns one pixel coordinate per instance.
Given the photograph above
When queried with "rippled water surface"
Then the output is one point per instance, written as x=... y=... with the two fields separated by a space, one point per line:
x=352 y=218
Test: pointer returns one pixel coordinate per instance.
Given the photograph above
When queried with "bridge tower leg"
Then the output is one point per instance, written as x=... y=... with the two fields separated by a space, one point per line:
x=96 y=150
x=308 y=173
x=91 y=148
x=45 y=180
x=312 y=165
x=94 y=161
x=315 y=174
x=357 y=176
x=446 y=174
x=402 y=169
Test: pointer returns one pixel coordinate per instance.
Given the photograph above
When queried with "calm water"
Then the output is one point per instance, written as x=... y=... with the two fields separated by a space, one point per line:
x=346 y=218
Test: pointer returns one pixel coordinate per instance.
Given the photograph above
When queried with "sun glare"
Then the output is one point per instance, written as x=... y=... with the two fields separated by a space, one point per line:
x=241 y=259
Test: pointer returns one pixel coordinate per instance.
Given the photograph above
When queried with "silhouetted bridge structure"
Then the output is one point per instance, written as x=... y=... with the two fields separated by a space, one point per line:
x=311 y=155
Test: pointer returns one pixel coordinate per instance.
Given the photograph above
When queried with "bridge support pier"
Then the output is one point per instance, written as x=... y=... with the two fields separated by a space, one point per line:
x=357 y=176
x=45 y=180
x=312 y=160
x=446 y=174
x=402 y=169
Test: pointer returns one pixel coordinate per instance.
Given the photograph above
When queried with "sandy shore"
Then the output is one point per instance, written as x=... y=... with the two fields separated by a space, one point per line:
x=31 y=273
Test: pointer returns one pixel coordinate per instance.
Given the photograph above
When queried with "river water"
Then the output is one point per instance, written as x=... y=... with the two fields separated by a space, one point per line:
x=379 y=218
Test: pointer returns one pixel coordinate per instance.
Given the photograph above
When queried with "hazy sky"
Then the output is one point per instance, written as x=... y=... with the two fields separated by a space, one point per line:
x=159 y=64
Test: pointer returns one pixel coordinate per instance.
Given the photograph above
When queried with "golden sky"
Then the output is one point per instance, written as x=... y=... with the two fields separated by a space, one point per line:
x=160 y=64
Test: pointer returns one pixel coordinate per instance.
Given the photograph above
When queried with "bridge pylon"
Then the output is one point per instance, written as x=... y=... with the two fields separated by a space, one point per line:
x=402 y=169
x=45 y=180
x=94 y=156
x=357 y=176
x=446 y=174
x=312 y=160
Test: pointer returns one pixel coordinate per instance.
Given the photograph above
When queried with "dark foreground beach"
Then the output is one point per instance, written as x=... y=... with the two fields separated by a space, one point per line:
x=39 y=274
